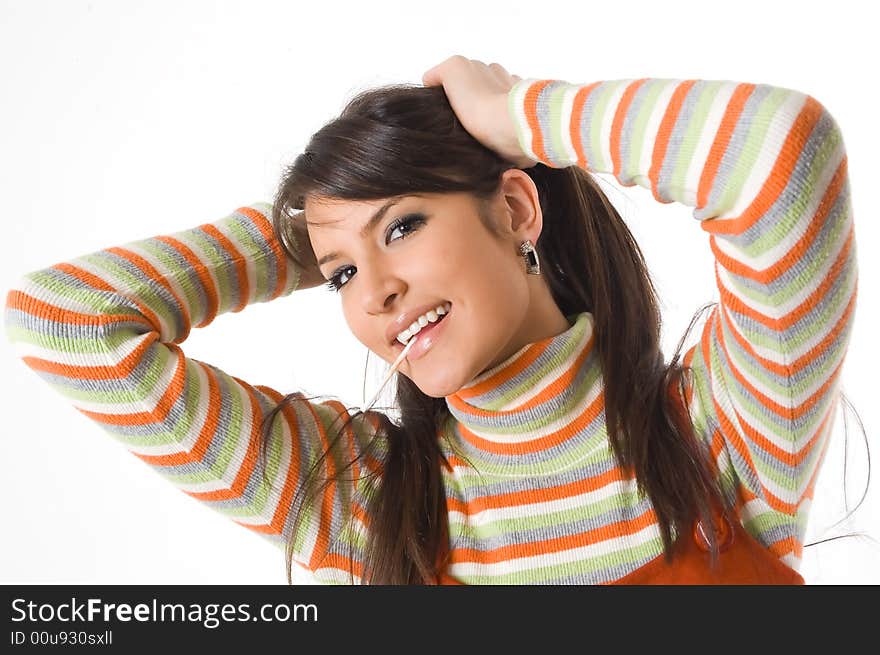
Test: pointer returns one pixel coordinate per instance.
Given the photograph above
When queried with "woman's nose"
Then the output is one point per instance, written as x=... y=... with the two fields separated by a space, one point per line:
x=380 y=290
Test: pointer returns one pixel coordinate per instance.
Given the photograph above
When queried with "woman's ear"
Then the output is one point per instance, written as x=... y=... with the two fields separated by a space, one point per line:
x=521 y=208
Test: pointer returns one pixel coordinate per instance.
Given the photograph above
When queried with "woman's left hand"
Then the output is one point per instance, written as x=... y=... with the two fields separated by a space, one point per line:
x=478 y=95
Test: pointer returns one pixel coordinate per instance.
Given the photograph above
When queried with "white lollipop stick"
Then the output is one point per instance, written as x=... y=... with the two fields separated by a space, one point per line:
x=394 y=367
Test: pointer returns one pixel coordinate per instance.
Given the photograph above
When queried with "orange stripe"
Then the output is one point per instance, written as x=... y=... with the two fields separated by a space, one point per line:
x=564 y=381
x=501 y=377
x=342 y=563
x=791 y=318
x=799 y=249
x=614 y=530
x=782 y=171
x=786 y=546
x=165 y=403
x=542 y=443
x=807 y=358
x=265 y=227
x=209 y=428
x=99 y=283
x=201 y=272
x=322 y=540
x=552 y=390
x=28 y=304
x=292 y=480
x=150 y=272
x=239 y=262
x=731 y=436
x=661 y=142
x=342 y=411
x=120 y=370
x=617 y=123
x=522 y=498
x=574 y=127
x=789 y=413
x=531 y=111
x=249 y=462
x=722 y=138
x=788 y=457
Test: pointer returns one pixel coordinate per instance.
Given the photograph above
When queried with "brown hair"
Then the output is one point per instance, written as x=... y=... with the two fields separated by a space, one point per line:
x=402 y=139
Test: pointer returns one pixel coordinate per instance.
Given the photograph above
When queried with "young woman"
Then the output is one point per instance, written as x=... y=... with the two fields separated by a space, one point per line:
x=542 y=438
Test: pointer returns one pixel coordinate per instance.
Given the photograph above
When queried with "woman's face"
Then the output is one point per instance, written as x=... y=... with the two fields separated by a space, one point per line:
x=430 y=250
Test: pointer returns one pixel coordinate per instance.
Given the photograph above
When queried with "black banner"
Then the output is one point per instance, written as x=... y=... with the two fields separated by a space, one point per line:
x=134 y=618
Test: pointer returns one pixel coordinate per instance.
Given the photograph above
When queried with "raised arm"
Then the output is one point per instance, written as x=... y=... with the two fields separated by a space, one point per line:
x=103 y=330
x=766 y=172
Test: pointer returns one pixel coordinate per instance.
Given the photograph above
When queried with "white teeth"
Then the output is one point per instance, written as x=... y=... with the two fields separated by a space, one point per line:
x=431 y=316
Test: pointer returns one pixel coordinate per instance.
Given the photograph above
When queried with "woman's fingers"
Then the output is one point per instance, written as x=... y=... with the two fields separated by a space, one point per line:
x=434 y=76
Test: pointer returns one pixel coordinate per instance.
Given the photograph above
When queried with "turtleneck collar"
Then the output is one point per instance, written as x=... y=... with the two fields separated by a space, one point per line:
x=540 y=410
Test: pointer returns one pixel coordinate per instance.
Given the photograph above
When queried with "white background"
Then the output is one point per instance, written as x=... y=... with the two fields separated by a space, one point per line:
x=121 y=120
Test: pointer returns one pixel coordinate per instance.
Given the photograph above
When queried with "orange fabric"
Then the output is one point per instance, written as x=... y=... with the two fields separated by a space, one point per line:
x=742 y=561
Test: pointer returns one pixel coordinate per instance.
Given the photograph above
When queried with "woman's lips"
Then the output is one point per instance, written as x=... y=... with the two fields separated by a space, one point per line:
x=425 y=339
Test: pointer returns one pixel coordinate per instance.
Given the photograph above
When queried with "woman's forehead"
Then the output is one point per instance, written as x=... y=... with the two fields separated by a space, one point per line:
x=323 y=211
x=331 y=211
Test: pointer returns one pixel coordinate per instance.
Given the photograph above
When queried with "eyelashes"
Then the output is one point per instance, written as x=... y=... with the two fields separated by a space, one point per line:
x=409 y=224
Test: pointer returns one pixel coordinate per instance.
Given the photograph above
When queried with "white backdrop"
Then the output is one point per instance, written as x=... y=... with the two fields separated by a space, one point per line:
x=121 y=120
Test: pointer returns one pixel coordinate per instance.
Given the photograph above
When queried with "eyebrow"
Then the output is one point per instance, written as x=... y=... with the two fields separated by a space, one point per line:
x=367 y=229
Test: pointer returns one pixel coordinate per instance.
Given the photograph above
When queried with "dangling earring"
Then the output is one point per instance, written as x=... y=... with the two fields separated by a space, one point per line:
x=527 y=250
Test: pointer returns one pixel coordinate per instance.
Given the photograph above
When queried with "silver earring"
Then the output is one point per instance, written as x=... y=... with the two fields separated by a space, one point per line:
x=527 y=250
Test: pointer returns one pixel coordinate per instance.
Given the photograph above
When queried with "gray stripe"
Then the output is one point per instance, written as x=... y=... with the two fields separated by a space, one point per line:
x=187 y=273
x=172 y=309
x=792 y=199
x=257 y=236
x=543 y=114
x=733 y=151
x=228 y=268
x=492 y=463
x=556 y=530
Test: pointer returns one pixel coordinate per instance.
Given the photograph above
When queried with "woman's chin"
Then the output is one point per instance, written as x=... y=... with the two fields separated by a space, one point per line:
x=437 y=388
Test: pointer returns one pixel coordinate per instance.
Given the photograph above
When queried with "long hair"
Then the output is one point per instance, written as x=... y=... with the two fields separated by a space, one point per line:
x=403 y=139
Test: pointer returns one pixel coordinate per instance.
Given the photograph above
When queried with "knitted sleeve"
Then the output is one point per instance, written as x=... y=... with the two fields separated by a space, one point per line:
x=765 y=170
x=104 y=331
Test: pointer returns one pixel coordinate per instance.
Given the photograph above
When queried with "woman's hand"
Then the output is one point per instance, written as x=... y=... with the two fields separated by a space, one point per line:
x=478 y=95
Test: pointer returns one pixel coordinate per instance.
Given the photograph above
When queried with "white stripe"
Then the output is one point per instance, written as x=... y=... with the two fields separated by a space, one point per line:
x=46 y=295
x=557 y=423
x=598 y=549
x=810 y=205
x=138 y=403
x=730 y=282
x=707 y=136
x=125 y=293
x=171 y=276
x=247 y=252
x=771 y=146
x=570 y=158
x=533 y=510
x=519 y=91
x=615 y=89
x=783 y=438
x=652 y=126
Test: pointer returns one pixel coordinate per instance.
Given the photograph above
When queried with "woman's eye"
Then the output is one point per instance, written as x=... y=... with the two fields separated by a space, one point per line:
x=407 y=225
x=335 y=282
x=411 y=222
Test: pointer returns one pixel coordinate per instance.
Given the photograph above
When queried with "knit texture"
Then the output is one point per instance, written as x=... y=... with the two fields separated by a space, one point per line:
x=534 y=495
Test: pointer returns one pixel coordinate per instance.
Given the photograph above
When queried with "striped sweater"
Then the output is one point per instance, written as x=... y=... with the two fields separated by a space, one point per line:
x=534 y=494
